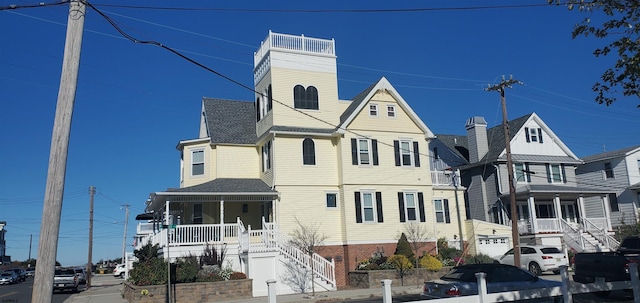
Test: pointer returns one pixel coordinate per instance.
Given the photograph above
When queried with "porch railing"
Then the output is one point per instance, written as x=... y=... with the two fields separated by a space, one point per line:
x=441 y=178
x=597 y=227
x=202 y=233
x=548 y=225
x=575 y=239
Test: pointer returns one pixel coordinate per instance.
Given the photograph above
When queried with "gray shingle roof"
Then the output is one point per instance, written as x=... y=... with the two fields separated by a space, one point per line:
x=302 y=129
x=227 y=185
x=230 y=121
x=456 y=143
x=495 y=137
x=610 y=155
x=355 y=102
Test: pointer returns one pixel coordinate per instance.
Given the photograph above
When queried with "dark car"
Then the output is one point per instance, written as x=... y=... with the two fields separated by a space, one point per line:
x=462 y=281
x=20 y=273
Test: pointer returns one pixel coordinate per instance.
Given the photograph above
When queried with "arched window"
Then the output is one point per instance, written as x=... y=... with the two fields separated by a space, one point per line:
x=305 y=98
x=308 y=152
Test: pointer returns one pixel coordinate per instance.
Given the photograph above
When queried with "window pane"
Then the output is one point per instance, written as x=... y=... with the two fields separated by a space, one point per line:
x=368 y=214
x=408 y=198
x=555 y=173
x=364 y=151
x=439 y=217
x=519 y=172
x=198 y=156
x=331 y=200
x=198 y=169
x=405 y=151
x=367 y=200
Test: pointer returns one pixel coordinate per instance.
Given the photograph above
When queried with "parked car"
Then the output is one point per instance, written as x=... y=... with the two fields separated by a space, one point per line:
x=21 y=273
x=31 y=272
x=65 y=279
x=461 y=281
x=82 y=277
x=8 y=277
x=537 y=259
x=119 y=271
x=612 y=266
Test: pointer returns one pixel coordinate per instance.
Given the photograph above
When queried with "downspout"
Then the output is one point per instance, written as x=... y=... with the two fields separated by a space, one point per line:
x=503 y=214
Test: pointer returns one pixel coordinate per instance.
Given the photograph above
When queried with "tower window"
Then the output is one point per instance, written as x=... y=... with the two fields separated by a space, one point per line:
x=305 y=98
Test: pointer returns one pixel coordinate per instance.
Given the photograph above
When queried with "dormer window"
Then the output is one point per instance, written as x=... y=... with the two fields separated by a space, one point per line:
x=391 y=111
x=305 y=98
x=533 y=134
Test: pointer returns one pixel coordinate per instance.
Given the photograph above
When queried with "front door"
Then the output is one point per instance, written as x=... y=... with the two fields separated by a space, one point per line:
x=570 y=213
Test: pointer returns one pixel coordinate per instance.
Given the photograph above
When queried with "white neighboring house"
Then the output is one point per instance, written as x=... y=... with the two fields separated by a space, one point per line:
x=617 y=171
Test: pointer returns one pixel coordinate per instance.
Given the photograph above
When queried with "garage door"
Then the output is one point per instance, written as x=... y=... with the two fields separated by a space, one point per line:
x=494 y=246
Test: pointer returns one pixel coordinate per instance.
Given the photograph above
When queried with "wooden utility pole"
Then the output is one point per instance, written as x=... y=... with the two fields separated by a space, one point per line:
x=124 y=240
x=54 y=190
x=512 y=191
x=92 y=192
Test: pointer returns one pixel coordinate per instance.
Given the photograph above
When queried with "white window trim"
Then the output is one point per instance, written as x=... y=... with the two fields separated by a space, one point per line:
x=369 y=152
x=526 y=177
x=373 y=206
x=551 y=172
x=373 y=110
x=533 y=133
x=435 y=211
x=267 y=154
x=204 y=161
x=392 y=109
x=337 y=207
x=410 y=152
x=415 y=206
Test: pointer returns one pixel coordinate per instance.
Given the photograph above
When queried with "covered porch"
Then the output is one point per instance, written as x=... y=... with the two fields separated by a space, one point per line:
x=547 y=210
x=217 y=211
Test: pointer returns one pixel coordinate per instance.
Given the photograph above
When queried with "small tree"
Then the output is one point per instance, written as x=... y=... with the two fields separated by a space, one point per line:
x=402 y=265
x=404 y=248
x=417 y=236
x=307 y=238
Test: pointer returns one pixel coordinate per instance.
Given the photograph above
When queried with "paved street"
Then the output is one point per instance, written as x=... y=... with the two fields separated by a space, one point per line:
x=21 y=293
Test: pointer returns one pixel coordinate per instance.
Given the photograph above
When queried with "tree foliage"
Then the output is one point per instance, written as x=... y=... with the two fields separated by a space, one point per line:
x=620 y=31
x=404 y=248
x=402 y=265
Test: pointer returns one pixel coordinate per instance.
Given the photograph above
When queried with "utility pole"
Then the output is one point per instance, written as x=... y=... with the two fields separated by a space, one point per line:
x=512 y=191
x=124 y=240
x=92 y=192
x=456 y=183
x=30 y=241
x=54 y=189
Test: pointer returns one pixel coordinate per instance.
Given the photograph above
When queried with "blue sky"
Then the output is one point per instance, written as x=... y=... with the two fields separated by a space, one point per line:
x=135 y=102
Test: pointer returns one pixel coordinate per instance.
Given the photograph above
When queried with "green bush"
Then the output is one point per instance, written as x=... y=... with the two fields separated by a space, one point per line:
x=404 y=248
x=480 y=259
x=187 y=269
x=150 y=272
x=430 y=263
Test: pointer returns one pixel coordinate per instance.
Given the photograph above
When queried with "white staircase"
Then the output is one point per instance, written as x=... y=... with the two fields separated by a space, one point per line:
x=589 y=239
x=270 y=239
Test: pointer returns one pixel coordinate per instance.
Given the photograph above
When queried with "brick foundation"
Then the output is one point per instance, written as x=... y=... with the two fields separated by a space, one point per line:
x=346 y=257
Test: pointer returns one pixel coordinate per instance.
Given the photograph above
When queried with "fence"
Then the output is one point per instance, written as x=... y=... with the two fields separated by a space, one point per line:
x=566 y=291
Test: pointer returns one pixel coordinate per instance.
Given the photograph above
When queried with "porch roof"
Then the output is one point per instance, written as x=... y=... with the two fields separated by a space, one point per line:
x=550 y=191
x=221 y=189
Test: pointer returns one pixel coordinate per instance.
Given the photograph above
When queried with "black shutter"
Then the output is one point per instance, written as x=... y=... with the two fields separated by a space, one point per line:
x=447 y=215
x=379 y=206
x=526 y=131
x=564 y=174
x=358 y=208
x=396 y=151
x=354 y=152
x=548 y=173
x=540 y=135
x=416 y=154
x=421 y=207
x=401 y=206
x=374 y=151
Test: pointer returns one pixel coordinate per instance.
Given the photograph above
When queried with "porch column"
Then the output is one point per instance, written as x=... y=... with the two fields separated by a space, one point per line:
x=166 y=213
x=607 y=212
x=558 y=210
x=222 y=218
x=581 y=210
x=531 y=202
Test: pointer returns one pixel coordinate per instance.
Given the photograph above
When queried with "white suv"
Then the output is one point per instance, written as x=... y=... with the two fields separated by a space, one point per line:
x=119 y=271
x=537 y=259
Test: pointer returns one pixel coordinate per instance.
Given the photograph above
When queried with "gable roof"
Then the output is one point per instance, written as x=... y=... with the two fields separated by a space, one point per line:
x=612 y=154
x=362 y=98
x=230 y=121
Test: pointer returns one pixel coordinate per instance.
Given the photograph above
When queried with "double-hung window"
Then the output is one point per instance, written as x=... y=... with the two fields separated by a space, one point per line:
x=533 y=134
x=391 y=111
x=442 y=210
x=373 y=110
x=364 y=151
x=197 y=162
x=368 y=207
x=406 y=153
x=556 y=173
x=266 y=156
x=522 y=172
x=411 y=206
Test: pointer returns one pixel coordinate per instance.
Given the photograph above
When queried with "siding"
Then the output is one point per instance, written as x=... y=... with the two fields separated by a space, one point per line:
x=289 y=166
x=402 y=123
x=210 y=161
x=237 y=162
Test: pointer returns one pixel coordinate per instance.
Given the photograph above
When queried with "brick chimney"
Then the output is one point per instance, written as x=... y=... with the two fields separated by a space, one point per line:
x=477 y=137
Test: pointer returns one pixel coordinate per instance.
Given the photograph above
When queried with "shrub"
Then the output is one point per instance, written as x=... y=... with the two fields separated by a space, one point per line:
x=376 y=262
x=404 y=248
x=430 y=263
x=237 y=276
x=479 y=259
x=401 y=264
x=187 y=269
x=150 y=269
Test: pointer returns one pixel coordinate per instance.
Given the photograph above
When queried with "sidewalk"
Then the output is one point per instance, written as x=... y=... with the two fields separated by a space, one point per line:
x=108 y=290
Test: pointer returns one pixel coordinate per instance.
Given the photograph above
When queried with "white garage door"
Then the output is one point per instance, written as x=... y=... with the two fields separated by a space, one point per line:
x=494 y=246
